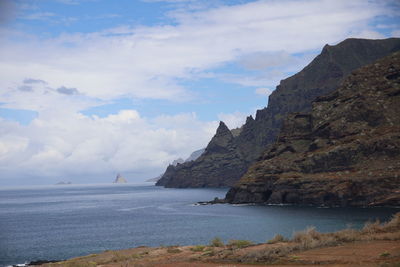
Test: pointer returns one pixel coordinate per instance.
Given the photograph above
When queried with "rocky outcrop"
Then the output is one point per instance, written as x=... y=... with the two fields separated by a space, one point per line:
x=214 y=168
x=120 y=180
x=294 y=94
x=346 y=152
x=195 y=155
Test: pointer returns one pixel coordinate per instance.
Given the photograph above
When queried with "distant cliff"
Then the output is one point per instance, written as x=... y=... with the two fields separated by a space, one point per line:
x=228 y=156
x=193 y=156
x=346 y=152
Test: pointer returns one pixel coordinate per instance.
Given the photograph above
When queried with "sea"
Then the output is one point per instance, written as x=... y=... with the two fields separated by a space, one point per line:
x=63 y=221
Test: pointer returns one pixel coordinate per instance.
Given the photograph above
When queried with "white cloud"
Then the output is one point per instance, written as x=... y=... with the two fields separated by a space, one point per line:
x=264 y=60
x=369 y=34
x=39 y=16
x=83 y=148
x=263 y=91
x=233 y=120
x=395 y=33
x=146 y=62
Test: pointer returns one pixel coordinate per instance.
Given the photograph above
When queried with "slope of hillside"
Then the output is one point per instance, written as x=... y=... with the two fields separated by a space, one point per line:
x=346 y=152
x=294 y=94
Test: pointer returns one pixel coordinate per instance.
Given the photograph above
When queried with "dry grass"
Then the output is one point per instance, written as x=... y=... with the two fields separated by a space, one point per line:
x=217 y=242
x=277 y=249
x=277 y=239
x=310 y=238
x=198 y=248
x=239 y=243
x=174 y=250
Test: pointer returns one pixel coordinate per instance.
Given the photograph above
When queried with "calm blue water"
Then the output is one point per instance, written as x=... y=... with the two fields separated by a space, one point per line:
x=60 y=222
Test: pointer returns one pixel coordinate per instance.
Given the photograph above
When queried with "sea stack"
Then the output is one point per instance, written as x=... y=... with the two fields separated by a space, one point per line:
x=120 y=180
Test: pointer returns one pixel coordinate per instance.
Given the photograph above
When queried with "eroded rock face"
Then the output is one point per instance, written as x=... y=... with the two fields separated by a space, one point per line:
x=214 y=168
x=346 y=152
x=294 y=94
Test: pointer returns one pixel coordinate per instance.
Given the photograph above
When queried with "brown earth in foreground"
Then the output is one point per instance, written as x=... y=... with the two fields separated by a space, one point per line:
x=375 y=245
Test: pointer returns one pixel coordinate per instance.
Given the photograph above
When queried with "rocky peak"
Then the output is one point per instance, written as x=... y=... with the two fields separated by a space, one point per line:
x=222 y=140
x=223 y=130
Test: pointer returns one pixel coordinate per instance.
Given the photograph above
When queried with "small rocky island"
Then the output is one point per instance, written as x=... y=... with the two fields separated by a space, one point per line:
x=120 y=180
x=63 y=183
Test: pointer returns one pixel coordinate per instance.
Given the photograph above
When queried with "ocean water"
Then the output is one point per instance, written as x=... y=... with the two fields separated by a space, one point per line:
x=60 y=222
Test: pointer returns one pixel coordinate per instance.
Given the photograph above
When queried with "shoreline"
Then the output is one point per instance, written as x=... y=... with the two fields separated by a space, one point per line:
x=374 y=245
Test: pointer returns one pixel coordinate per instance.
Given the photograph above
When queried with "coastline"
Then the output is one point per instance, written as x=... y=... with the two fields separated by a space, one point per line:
x=374 y=245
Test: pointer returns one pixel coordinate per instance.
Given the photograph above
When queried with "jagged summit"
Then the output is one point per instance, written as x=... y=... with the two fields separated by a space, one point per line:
x=294 y=94
x=222 y=128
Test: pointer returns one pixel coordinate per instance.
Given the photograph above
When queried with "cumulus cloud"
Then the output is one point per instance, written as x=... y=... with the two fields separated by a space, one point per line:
x=74 y=72
x=81 y=147
x=145 y=62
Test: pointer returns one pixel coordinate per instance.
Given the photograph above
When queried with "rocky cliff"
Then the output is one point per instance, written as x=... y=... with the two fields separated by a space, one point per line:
x=223 y=166
x=346 y=152
x=221 y=159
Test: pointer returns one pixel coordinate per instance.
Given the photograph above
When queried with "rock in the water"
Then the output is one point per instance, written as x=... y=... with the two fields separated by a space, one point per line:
x=224 y=164
x=120 y=180
x=346 y=152
x=63 y=183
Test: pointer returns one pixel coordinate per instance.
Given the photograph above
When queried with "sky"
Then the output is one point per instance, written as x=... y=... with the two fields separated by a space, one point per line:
x=92 y=88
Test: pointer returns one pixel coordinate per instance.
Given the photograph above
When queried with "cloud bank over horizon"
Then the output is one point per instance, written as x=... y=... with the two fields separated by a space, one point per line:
x=131 y=96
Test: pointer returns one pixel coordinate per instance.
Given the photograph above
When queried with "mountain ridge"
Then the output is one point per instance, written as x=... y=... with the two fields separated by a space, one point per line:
x=294 y=94
x=345 y=152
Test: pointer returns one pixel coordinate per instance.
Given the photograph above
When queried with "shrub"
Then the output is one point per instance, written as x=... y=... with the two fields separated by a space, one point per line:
x=240 y=243
x=393 y=224
x=119 y=257
x=372 y=227
x=173 y=250
x=217 y=242
x=197 y=248
x=209 y=253
x=346 y=235
x=310 y=238
x=276 y=239
x=385 y=254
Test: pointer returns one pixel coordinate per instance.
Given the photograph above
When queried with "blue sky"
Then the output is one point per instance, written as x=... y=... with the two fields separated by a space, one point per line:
x=90 y=88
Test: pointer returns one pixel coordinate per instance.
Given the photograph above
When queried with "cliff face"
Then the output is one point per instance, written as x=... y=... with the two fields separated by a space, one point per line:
x=294 y=94
x=221 y=159
x=346 y=152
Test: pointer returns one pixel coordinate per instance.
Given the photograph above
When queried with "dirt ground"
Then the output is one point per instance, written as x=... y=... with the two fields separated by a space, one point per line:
x=374 y=245
x=361 y=253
